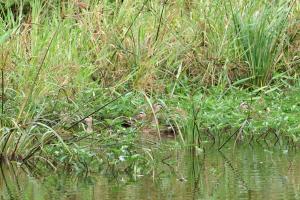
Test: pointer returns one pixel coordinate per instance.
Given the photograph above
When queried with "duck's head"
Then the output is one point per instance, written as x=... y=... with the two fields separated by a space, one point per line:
x=157 y=107
x=140 y=116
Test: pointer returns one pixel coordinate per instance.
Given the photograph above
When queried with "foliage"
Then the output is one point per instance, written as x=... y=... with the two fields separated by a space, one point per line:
x=63 y=60
x=261 y=35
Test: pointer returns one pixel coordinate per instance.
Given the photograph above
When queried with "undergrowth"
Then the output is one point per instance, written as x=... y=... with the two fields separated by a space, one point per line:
x=219 y=69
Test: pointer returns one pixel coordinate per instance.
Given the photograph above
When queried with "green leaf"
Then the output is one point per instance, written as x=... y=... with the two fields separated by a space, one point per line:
x=5 y=37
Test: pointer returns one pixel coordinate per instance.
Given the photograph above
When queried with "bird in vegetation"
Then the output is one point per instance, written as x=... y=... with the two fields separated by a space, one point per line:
x=141 y=116
x=166 y=128
x=89 y=123
x=150 y=120
x=244 y=106
x=133 y=120
x=157 y=107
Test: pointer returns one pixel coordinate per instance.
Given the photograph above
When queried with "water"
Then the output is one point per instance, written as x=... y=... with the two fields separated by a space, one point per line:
x=242 y=173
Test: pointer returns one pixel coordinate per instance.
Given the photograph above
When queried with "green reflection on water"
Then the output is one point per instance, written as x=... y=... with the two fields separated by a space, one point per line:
x=242 y=173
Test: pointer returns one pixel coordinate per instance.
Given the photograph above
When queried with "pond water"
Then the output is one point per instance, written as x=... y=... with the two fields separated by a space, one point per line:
x=240 y=173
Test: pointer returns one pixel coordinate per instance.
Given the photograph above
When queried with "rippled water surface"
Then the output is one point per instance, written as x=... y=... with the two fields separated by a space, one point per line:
x=242 y=173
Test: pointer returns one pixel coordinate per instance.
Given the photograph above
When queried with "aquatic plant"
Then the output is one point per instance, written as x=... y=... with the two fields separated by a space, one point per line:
x=61 y=61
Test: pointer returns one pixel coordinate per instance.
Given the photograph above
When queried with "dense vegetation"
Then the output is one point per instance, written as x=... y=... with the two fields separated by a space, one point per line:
x=220 y=69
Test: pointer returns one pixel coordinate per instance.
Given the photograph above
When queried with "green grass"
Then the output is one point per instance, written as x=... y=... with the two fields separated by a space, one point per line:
x=200 y=59
x=261 y=34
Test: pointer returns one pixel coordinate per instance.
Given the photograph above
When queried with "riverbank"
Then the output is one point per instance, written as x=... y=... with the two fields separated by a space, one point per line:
x=221 y=73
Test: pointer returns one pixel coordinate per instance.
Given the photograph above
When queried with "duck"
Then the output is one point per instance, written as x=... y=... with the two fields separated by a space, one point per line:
x=151 y=121
x=89 y=123
x=132 y=121
x=156 y=121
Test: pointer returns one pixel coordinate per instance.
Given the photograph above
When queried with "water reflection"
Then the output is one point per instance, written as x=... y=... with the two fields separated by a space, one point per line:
x=242 y=173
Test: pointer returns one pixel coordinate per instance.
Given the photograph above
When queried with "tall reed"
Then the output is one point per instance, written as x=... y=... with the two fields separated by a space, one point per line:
x=260 y=29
